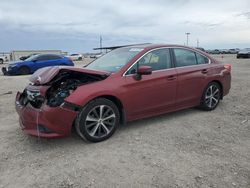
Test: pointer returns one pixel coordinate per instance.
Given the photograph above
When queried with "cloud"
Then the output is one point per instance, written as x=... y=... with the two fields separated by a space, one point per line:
x=244 y=14
x=119 y=22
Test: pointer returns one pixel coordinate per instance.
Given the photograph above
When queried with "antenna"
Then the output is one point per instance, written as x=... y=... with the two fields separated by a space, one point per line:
x=187 y=37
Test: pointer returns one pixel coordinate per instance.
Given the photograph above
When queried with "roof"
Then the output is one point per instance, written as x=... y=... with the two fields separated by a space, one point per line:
x=121 y=46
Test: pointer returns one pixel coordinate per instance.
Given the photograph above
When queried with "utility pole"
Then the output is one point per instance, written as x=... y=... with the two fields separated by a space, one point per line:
x=198 y=43
x=187 y=37
x=100 y=43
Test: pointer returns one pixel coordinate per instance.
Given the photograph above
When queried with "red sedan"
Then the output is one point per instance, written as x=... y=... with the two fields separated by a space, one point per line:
x=126 y=84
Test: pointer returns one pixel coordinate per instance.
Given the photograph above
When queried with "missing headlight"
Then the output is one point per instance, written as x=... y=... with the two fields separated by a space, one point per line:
x=32 y=97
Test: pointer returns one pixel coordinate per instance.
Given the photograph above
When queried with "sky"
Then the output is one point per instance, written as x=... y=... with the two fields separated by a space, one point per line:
x=76 y=25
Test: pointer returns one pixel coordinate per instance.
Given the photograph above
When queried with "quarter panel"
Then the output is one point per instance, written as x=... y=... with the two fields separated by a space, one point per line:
x=191 y=83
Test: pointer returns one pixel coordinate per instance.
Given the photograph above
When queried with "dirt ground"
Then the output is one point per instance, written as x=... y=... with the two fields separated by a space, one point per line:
x=189 y=148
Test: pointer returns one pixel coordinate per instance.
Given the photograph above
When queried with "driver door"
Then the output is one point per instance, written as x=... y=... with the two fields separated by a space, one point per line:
x=154 y=93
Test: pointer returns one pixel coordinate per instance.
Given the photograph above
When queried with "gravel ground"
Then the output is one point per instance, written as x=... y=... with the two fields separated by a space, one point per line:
x=189 y=148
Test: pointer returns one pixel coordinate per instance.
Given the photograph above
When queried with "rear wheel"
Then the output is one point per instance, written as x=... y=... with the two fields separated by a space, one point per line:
x=98 y=120
x=24 y=70
x=211 y=96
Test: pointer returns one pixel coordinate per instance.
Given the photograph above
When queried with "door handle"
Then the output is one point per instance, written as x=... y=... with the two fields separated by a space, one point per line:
x=204 y=71
x=172 y=77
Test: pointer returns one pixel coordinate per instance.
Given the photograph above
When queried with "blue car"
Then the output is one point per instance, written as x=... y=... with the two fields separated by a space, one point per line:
x=33 y=63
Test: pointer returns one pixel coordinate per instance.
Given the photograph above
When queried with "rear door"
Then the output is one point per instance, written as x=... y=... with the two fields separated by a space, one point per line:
x=192 y=69
x=155 y=92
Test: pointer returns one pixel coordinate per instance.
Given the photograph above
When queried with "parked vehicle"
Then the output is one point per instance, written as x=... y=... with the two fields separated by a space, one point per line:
x=126 y=84
x=245 y=53
x=233 y=51
x=3 y=59
x=34 y=63
x=202 y=49
x=224 y=51
x=75 y=57
x=216 y=51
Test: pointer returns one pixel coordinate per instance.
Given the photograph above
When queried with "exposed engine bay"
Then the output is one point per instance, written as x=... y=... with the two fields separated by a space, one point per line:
x=59 y=88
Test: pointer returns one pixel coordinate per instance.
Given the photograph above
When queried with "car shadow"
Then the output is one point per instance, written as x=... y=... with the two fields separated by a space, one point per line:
x=160 y=118
x=74 y=140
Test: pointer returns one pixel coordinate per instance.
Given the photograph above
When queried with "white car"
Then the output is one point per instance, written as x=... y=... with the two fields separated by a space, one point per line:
x=3 y=59
x=75 y=57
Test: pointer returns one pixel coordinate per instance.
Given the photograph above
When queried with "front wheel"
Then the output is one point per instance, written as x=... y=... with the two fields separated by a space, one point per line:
x=211 y=96
x=1 y=61
x=98 y=120
x=24 y=70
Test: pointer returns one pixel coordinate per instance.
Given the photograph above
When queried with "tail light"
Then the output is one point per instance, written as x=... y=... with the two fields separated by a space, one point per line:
x=228 y=67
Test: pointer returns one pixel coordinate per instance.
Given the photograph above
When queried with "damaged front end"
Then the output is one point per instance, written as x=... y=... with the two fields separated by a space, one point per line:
x=41 y=106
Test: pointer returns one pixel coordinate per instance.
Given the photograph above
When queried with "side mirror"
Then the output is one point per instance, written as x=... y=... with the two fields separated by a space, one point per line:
x=35 y=60
x=143 y=70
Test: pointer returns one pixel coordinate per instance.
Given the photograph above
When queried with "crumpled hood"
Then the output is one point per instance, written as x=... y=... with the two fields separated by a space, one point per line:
x=45 y=75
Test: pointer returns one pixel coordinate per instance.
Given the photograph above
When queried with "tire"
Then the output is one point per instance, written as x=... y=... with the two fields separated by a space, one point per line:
x=211 y=96
x=98 y=120
x=1 y=61
x=24 y=70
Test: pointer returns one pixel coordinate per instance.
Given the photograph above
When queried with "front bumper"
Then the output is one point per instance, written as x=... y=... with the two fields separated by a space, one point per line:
x=4 y=70
x=9 y=70
x=48 y=122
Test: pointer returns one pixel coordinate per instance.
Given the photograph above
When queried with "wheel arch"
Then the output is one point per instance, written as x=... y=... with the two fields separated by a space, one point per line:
x=119 y=105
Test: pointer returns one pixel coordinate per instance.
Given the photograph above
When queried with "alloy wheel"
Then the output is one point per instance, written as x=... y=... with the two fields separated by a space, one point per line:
x=100 y=121
x=212 y=96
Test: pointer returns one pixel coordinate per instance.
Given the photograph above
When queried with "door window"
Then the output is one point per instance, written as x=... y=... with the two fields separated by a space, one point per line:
x=184 y=57
x=48 y=57
x=158 y=60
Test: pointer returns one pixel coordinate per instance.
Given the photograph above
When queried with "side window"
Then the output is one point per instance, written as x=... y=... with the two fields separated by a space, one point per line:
x=48 y=57
x=42 y=58
x=201 y=59
x=51 y=57
x=184 y=57
x=157 y=59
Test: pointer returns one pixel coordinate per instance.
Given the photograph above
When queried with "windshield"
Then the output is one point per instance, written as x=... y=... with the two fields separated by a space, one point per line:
x=32 y=58
x=114 y=60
